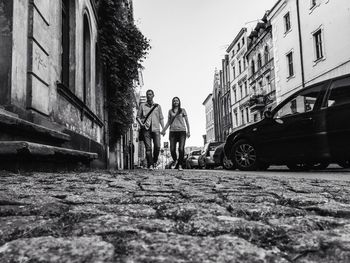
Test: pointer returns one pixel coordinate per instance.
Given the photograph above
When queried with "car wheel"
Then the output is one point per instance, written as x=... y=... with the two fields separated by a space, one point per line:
x=298 y=167
x=227 y=164
x=344 y=164
x=244 y=156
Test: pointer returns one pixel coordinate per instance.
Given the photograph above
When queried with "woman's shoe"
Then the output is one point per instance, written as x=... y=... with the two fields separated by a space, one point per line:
x=180 y=167
x=173 y=166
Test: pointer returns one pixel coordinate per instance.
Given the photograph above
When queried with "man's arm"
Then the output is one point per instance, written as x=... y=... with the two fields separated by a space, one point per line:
x=161 y=118
x=138 y=116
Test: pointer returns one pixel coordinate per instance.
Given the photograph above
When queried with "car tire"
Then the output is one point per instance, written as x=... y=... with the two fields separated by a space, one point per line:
x=227 y=164
x=244 y=156
x=299 y=167
x=188 y=166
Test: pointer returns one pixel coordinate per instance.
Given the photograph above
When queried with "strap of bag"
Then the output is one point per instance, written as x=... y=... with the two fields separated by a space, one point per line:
x=150 y=112
x=172 y=120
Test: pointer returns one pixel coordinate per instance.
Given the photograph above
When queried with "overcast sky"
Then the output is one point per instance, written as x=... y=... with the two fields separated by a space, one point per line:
x=189 y=38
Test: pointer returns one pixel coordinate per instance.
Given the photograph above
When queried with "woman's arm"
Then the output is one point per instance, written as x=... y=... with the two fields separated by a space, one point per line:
x=166 y=125
x=188 y=126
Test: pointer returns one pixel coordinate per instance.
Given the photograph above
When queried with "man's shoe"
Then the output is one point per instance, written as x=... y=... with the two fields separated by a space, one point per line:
x=173 y=166
x=180 y=168
x=151 y=168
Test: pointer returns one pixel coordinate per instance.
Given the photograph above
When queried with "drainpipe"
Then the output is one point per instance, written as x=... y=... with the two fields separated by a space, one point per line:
x=300 y=47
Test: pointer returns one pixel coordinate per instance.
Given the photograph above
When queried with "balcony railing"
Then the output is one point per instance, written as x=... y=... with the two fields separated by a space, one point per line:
x=261 y=70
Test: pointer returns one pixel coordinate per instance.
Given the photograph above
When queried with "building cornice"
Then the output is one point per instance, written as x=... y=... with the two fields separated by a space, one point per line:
x=207 y=98
x=241 y=32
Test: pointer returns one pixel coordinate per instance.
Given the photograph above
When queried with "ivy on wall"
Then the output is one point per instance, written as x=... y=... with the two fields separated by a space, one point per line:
x=122 y=48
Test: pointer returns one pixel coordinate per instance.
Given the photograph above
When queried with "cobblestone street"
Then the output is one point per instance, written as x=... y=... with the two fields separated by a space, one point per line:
x=171 y=216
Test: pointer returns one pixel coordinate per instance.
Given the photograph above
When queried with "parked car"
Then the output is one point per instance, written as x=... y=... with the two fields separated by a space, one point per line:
x=192 y=159
x=220 y=158
x=309 y=129
x=206 y=160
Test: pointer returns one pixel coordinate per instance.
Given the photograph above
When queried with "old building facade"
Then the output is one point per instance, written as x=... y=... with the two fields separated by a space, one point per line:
x=209 y=118
x=308 y=44
x=49 y=62
x=238 y=85
x=261 y=76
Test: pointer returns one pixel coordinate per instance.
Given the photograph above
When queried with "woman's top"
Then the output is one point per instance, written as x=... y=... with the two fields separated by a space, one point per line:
x=179 y=121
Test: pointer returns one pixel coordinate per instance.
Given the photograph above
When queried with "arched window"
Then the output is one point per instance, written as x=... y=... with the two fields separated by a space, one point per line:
x=266 y=54
x=253 y=66
x=259 y=61
x=87 y=62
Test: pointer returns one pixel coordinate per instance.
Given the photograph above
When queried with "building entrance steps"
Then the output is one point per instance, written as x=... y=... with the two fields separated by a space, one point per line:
x=34 y=156
x=14 y=128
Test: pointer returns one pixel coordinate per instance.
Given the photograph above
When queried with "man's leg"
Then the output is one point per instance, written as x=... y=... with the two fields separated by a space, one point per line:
x=156 y=145
x=148 y=146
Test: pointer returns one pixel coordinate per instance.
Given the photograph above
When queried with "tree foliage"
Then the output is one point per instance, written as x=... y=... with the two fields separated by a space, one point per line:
x=123 y=48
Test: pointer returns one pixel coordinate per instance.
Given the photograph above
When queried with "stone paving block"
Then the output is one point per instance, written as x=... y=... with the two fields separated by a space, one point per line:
x=49 y=249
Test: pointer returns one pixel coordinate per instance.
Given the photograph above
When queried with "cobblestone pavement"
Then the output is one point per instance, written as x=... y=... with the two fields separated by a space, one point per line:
x=170 y=216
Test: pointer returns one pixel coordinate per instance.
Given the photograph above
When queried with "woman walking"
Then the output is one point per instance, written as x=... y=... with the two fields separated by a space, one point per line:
x=178 y=121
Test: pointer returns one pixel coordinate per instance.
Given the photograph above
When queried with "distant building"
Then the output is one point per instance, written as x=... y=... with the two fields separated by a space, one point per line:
x=240 y=111
x=261 y=75
x=226 y=123
x=209 y=120
x=217 y=107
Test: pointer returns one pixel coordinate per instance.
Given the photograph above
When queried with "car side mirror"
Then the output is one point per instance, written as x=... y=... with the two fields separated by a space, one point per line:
x=268 y=114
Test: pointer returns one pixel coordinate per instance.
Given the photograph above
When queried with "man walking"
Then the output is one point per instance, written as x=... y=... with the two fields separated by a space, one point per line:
x=150 y=116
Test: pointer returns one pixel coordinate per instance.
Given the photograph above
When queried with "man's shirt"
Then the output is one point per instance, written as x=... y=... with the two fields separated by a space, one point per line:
x=156 y=116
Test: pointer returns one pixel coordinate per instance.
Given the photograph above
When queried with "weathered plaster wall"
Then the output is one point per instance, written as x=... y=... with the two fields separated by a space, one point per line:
x=19 y=53
x=6 y=10
x=36 y=67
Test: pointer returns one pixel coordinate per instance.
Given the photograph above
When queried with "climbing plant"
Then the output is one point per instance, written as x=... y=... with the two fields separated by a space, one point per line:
x=122 y=48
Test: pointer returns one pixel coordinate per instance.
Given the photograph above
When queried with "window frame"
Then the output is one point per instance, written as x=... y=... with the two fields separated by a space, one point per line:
x=318 y=44
x=290 y=64
x=287 y=22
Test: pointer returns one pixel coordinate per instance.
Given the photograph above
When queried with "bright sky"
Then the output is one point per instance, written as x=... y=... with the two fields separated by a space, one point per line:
x=189 y=38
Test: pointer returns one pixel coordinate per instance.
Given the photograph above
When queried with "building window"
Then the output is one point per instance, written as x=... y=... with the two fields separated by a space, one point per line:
x=287 y=22
x=235 y=94
x=87 y=62
x=242 y=116
x=246 y=88
x=253 y=67
x=244 y=64
x=65 y=44
x=236 y=118
x=234 y=72
x=238 y=47
x=242 y=41
x=233 y=52
x=247 y=114
x=256 y=117
x=266 y=54
x=290 y=64
x=239 y=67
x=318 y=44
x=241 y=91
x=259 y=61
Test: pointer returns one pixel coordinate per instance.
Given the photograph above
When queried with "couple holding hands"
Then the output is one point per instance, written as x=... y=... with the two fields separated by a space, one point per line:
x=150 y=117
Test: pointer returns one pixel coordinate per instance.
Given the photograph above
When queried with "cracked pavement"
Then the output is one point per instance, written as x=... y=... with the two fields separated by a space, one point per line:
x=171 y=216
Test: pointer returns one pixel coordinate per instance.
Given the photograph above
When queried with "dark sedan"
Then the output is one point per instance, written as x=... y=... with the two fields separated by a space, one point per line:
x=310 y=128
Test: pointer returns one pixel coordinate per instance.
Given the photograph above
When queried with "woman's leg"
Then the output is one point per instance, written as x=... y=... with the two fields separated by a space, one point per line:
x=182 y=140
x=172 y=140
